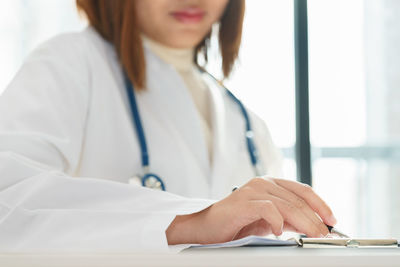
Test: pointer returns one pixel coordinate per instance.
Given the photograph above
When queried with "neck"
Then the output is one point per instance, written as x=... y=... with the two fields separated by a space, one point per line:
x=181 y=58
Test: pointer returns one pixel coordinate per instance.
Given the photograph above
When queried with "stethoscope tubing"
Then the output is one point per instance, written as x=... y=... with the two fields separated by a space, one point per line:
x=251 y=147
x=138 y=125
x=145 y=158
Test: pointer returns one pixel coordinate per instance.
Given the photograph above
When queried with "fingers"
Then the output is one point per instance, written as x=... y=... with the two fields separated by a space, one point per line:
x=292 y=208
x=297 y=218
x=313 y=200
x=266 y=210
x=259 y=228
x=286 y=210
x=290 y=228
x=300 y=204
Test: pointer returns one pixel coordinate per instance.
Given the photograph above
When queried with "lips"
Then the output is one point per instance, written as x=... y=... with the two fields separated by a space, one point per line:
x=189 y=15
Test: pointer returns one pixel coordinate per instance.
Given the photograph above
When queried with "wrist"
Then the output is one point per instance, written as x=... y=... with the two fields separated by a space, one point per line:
x=184 y=229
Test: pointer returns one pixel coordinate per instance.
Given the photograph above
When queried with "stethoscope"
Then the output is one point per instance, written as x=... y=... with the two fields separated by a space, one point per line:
x=152 y=180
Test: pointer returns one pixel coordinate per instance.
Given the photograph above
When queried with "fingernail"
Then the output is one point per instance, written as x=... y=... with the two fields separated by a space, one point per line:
x=332 y=220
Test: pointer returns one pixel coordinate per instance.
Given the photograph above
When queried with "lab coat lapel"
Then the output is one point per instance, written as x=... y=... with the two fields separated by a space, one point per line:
x=222 y=149
x=179 y=108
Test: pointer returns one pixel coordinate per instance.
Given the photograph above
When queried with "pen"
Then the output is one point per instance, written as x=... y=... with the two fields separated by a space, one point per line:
x=335 y=231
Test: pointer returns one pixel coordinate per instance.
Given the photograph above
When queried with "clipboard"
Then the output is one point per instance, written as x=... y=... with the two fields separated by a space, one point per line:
x=257 y=241
x=347 y=243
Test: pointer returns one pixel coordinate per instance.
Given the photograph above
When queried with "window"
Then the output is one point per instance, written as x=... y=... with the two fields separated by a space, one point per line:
x=264 y=77
x=26 y=24
x=354 y=111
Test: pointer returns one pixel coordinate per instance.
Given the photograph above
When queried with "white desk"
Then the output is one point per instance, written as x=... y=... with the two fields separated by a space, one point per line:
x=255 y=256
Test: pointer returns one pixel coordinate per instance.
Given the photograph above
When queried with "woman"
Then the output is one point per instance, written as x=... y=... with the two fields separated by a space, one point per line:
x=69 y=146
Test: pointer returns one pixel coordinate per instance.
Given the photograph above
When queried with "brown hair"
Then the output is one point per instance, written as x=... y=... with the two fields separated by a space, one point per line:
x=114 y=21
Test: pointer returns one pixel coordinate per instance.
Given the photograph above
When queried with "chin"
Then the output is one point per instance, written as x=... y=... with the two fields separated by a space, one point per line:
x=185 y=42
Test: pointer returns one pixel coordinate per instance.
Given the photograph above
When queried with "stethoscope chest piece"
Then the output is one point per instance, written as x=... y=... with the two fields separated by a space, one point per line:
x=148 y=180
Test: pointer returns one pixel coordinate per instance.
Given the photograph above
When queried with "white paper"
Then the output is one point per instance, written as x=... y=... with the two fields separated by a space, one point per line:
x=251 y=240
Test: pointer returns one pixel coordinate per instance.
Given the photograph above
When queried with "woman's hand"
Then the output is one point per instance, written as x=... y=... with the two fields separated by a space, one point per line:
x=260 y=207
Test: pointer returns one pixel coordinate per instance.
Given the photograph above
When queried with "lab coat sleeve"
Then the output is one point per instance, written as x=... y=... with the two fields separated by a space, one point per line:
x=42 y=206
x=51 y=212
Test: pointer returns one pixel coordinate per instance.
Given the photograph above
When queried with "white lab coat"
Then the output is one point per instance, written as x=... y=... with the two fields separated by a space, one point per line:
x=68 y=148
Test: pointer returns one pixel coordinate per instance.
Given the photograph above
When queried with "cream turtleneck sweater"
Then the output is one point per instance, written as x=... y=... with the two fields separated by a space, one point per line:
x=182 y=61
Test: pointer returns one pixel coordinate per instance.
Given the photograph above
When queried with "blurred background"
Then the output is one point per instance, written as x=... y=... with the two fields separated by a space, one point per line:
x=354 y=94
